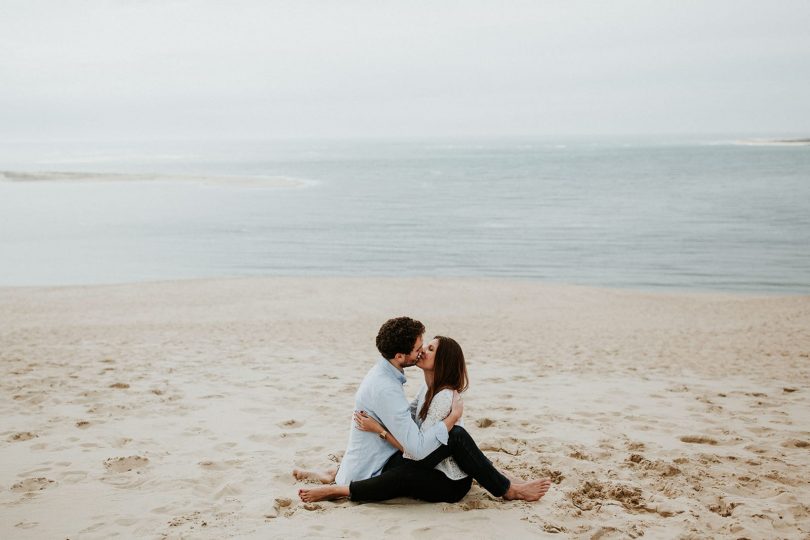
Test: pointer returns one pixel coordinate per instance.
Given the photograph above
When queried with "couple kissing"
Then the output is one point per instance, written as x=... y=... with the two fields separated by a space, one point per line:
x=417 y=449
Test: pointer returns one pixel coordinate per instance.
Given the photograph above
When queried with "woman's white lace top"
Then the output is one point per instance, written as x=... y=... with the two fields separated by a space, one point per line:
x=438 y=411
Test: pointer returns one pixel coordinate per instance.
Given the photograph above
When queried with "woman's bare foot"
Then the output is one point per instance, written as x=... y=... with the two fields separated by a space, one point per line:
x=325 y=477
x=326 y=493
x=532 y=490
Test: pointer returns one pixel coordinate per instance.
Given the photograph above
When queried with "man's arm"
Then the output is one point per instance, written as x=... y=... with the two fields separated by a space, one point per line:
x=394 y=413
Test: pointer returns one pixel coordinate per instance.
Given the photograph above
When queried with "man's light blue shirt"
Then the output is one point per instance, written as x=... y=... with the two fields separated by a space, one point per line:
x=382 y=396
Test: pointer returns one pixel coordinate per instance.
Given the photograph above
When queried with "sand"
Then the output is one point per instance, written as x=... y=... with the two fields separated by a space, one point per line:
x=178 y=409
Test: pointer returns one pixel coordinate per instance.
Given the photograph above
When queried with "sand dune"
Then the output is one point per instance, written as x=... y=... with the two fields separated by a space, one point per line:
x=178 y=409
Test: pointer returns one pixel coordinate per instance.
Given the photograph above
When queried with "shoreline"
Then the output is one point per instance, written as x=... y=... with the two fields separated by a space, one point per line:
x=78 y=177
x=179 y=408
x=657 y=291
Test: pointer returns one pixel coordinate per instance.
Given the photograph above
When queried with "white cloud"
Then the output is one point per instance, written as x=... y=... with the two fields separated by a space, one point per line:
x=257 y=68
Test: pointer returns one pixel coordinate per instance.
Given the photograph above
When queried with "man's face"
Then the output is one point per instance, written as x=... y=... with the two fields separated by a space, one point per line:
x=413 y=357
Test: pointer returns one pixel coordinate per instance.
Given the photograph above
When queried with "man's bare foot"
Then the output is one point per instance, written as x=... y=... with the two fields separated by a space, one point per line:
x=326 y=493
x=324 y=477
x=532 y=490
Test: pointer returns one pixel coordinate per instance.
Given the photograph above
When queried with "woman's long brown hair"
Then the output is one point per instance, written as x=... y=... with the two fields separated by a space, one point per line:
x=449 y=371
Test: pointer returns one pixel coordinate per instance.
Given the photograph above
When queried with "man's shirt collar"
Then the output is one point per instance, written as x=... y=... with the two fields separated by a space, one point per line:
x=400 y=376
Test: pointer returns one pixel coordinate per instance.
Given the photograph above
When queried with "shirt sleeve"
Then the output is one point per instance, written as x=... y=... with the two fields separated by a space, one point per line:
x=395 y=414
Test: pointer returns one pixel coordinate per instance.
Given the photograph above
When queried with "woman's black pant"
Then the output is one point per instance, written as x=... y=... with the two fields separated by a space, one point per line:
x=420 y=480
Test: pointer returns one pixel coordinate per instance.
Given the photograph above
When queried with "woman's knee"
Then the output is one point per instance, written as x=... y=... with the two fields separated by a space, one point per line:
x=458 y=432
x=456 y=497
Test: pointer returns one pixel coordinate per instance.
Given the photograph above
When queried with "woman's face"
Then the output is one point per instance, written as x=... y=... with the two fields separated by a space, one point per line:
x=428 y=355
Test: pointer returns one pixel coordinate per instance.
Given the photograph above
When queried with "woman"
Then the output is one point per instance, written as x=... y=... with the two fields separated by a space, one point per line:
x=445 y=373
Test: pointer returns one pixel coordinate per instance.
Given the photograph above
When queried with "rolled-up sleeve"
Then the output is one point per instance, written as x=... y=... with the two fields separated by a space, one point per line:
x=395 y=414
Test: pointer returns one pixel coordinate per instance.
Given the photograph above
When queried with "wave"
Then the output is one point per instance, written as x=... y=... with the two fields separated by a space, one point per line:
x=773 y=142
x=74 y=176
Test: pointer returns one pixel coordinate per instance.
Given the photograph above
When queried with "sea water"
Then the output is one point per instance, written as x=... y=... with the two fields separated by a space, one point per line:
x=648 y=213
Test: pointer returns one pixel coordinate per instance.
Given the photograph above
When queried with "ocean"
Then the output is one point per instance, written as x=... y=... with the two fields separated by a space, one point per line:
x=644 y=213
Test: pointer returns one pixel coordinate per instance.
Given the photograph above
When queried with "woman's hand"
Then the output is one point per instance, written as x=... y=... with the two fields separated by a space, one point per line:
x=456 y=411
x=366 y=423
x=457 y=407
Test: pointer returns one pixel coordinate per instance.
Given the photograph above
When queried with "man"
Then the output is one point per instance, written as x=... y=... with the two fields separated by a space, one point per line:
x=381 y=395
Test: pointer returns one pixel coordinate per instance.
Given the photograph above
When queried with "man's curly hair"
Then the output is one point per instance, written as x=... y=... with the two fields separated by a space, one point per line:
x=398 y=336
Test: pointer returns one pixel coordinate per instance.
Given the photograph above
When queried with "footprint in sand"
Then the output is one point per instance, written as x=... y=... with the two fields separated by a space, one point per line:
x=292 y=423
x=82 y=424
x=592 y=494
x=125 y=464
x=32 y=484
x=723 y=507
x=796 y=443
x=284 y=505
x=484 y=422
x=634 y=445
x=194 y=518
x=227 y=491
x=698 y=439
x=477 y=504
x=73 y=477
x=120 y=385
x=500 y=446
x=292 y=435
x=23 y=436
x=579 y=454
x=224 y=447
x=210 y=465
x=556 y=476
x=261 y=508
x=35 y=471
x=121 y=442
x=663 y=468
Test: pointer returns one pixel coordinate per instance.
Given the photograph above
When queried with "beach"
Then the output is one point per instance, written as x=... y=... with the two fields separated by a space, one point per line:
x=178 y=409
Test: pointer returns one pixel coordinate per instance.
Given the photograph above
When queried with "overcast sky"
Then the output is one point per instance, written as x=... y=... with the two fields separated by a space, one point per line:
x=263 y=69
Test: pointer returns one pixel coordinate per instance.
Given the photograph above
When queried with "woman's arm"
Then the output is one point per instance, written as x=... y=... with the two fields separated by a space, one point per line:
x=366 y=423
